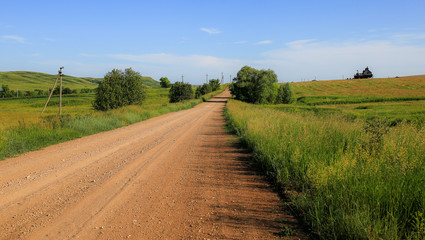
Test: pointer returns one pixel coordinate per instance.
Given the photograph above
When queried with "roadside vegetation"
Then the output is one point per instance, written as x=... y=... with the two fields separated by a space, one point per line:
x=23 y=128
x=349 y=175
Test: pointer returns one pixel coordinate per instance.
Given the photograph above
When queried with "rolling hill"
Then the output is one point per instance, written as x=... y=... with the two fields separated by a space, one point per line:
x=28 y=81
x=384 y=87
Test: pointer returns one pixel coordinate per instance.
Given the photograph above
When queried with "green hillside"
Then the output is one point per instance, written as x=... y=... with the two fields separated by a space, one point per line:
x=28 y=81
x=150 y=82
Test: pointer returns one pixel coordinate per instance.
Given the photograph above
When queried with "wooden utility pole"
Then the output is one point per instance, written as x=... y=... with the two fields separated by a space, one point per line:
x=206 y=78
x=60 y=91
x=53 y=88
x=222 y=78
x=182 y=78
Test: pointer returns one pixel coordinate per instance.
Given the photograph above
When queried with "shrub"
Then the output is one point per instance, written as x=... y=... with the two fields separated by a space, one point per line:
x=202 y=90
x=255 y=86
x=215 y=84
x=180 y=91
x=164 y=82
x=119 y=89
x=285 y=94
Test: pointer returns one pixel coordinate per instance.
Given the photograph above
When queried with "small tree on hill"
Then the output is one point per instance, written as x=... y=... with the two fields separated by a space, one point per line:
x=180 y=91
x=119 y=89
x=285 y=94
x=164 y=82
x=215 y=84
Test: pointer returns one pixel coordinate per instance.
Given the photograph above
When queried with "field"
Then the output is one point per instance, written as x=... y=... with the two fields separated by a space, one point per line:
x=352 y=171
x=23 y=128
x=29 y=81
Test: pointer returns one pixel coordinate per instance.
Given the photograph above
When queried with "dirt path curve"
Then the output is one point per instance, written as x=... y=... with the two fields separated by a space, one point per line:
x=177 y=176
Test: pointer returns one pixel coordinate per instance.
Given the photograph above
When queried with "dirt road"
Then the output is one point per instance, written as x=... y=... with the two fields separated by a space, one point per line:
x=177 y=176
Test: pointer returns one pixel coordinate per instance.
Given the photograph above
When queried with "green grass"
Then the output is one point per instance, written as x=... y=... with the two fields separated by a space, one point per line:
x=23 y=128
x=347 y=179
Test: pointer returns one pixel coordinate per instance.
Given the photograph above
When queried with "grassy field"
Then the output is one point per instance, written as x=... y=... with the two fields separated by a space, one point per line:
x=28 y=81
x=352 y=171
x=23 y=128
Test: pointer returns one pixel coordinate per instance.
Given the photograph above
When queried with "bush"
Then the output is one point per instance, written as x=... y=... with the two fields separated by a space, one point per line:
x=255 y=86
x=119 y=89
x=285 y=94
x=180 y=91
x=215 y=84
x=164 y=82
x=202 y=90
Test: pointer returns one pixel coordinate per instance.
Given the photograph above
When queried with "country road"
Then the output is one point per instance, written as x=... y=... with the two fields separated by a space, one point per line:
x=176 y=176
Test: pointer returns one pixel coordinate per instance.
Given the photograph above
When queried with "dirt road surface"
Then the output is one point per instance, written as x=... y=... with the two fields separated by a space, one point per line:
x=177 y=176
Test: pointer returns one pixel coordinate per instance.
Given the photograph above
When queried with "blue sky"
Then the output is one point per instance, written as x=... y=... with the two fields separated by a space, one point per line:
x=299 y=40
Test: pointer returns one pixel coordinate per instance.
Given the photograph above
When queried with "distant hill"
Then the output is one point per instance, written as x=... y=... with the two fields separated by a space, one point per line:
x=28 y=81
x=384 y=87
x=150 y=82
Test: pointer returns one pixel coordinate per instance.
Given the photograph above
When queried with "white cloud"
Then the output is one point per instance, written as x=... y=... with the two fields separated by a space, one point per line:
x=49 y=39
x=264 y=42
x=211 y=30
x=15 y=38
x=299 y=43
x=333 y=60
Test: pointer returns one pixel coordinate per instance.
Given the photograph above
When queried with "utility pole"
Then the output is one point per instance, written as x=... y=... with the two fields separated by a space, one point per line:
x=53 y=88
x=182 y=77
x=17 y=91
x=206 y=78
x=60 y=91
x=222 y=78
x=230 y=78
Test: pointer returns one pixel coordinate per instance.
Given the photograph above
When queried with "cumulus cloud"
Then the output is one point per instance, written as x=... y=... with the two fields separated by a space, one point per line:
x=210 y=30
x=15 y=38
x=264 y=42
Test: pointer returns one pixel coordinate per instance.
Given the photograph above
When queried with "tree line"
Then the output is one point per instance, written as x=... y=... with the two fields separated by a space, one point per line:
x=121 y=88
x=6 y=92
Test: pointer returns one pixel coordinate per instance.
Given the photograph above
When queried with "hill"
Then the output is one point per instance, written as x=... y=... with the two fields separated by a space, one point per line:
x=373 y=87
x=150 y=82
x=28 y=81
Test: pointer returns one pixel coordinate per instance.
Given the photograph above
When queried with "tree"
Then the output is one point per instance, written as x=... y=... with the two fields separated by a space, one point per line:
x=180 y=91
x=215 y=84
x=202 y=90
x=164 y=82
x=285 y=94
x=119 y=89
x=255 y=86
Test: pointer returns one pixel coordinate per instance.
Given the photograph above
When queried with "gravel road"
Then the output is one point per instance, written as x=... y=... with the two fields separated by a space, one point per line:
x=176 y=176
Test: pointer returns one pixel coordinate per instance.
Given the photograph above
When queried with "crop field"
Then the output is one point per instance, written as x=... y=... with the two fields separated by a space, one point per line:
x=23 y=128
x=351 y=171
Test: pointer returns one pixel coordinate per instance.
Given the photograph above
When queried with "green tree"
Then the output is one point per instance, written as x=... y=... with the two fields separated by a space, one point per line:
x=119 y=89
x=180 y=91
x=255 y=86
x=202 y=90
x=164 y=82
x=215 y=84
x=285 y=94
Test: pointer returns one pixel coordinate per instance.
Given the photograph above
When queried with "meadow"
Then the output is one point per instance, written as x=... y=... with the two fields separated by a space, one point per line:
x=23 y=128
x=350 y=170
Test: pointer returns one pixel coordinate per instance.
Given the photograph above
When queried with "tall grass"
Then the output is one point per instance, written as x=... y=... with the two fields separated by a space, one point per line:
x=353 y=179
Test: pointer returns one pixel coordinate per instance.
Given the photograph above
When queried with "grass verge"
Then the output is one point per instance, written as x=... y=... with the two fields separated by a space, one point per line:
x=354 y=179
x=53 y=129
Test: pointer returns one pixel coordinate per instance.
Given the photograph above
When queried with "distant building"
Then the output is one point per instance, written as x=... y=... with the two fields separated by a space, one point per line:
x=365 y=74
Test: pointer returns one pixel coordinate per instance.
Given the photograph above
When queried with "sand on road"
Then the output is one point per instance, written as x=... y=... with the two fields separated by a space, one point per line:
x=176 y=176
